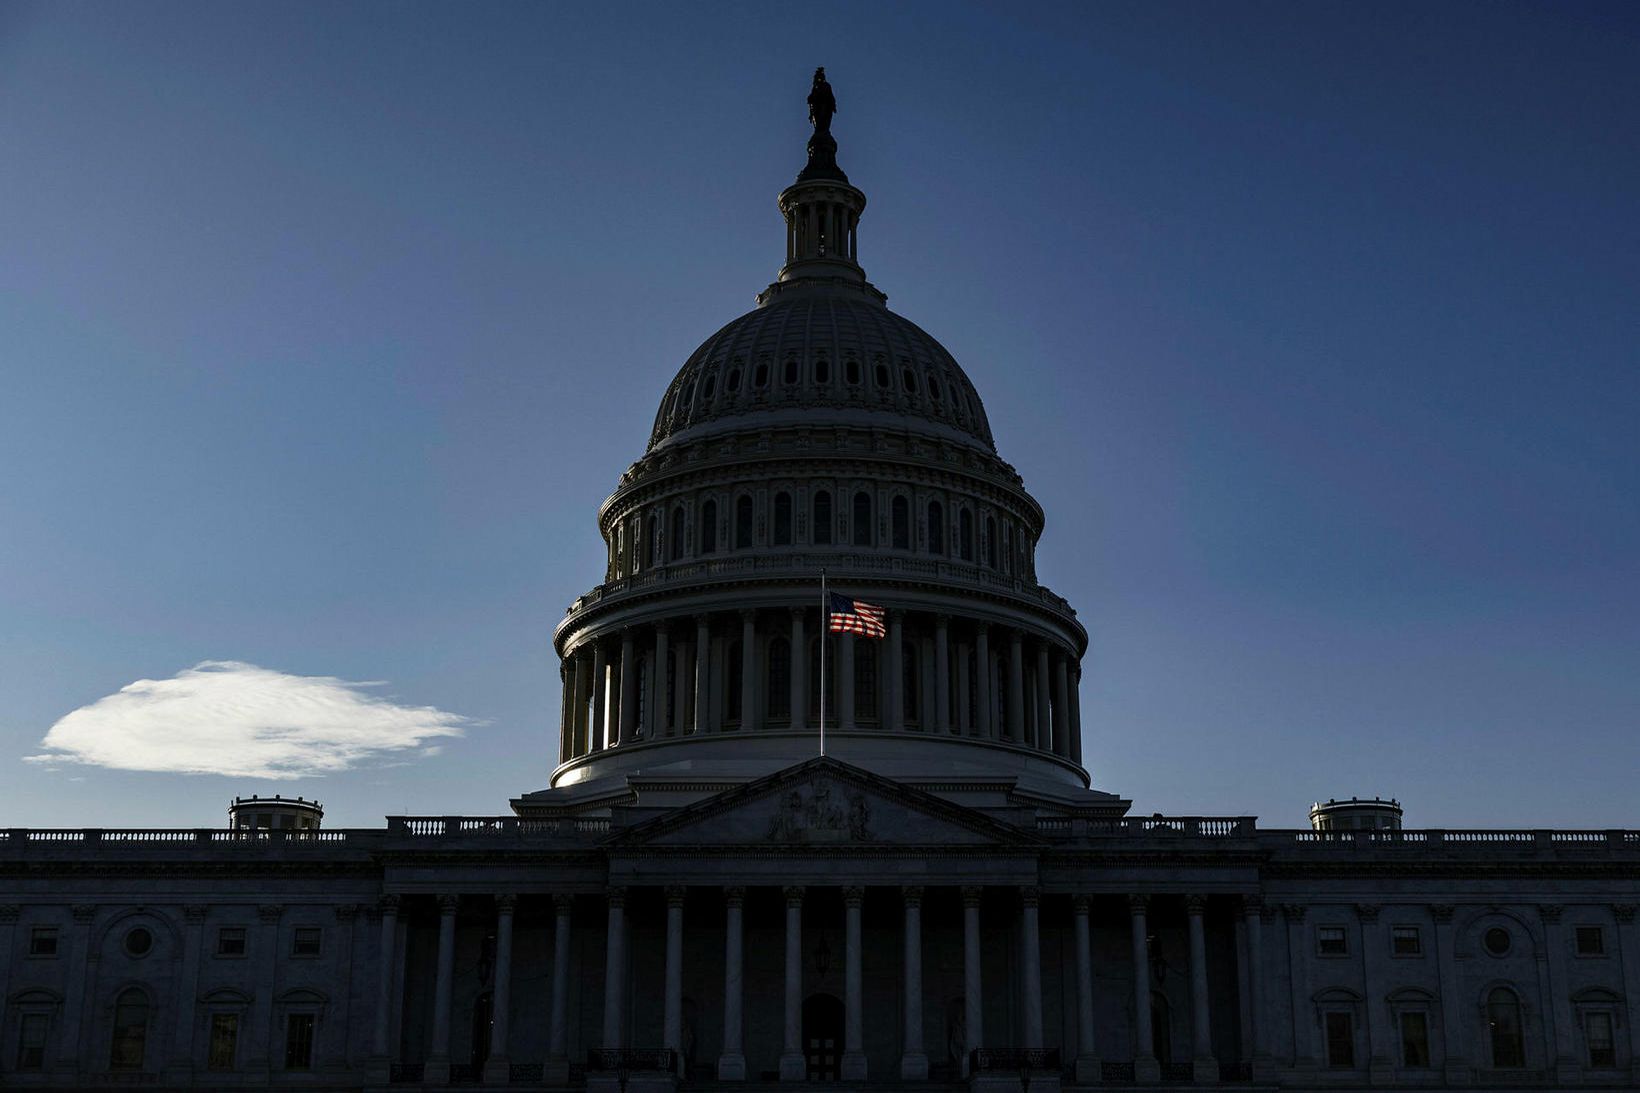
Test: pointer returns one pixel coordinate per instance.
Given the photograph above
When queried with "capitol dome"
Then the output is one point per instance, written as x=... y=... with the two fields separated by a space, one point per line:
x=819 y=437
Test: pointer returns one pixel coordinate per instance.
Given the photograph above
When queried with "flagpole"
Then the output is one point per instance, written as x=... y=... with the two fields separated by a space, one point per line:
x=825 y=633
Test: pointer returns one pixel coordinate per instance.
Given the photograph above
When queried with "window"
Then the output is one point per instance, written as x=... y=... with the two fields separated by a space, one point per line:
x=1496 y=940
x=654 y=540
x=936 y=528
x=298 y=1041
x=760 y=376
x=687 y=397
x=708 y=388
x=130 y=1031
x=1504 y=1026
x=675 y=534
x=822 y=371
x=1406 y=941
x=780 y=678
x=862 y=519
x=782 y=519
x=851 y=372
x=1414 y=1038
x=1597 y=1032
x=743 y=522
x=991 y=542
x=42 y=941
x=31 y=1042
x=965 y=535
x=909 y=379
x=1007 y=545
x=138 y=941
x=1591 y=941
x=789 y=376
x=822 y=517
x=224 y=1041
x=865 y=680
x=708 y=528
x=1340 y=1040
x=732 y=383
x=1331 y=941
x=880 y=374
x=900 y=517
x=230 y=941
x=305 y=941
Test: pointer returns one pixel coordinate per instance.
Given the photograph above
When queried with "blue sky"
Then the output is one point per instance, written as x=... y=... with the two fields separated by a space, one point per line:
x=324 y=329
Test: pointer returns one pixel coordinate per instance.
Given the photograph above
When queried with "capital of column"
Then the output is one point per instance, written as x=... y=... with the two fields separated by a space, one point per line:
x=1549 y=913
x=1623 y=912
x=388 y=905
x=748 y=614
x=1251 y=905
x=1030 y=896
x=270 y=912
x=1294 y=912
x=193 y=912
x=1138 y=904
x=853 y=896
x=942 y=619
x=913 y=895
x=795 y=612
x=1081 y=905
x=1195 y=905
x=1441 y=912
x=1367 y=912
x=794 y=895
x=675 y=894
x=735 y=896
x=9 y=912
x=447 y=904
x=506 y=903
x=616 y=896
x=703 y=619
x=345 y=912
x=84 y=912
x=971 y=895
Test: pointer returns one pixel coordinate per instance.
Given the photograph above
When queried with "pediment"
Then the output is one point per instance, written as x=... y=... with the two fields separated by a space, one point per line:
x=824 y=803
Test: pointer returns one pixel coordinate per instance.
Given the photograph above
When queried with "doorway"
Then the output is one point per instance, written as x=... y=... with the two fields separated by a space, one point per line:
x=823 y=1037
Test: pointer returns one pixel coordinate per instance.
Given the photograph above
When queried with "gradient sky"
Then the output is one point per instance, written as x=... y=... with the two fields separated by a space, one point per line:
x=325 y=328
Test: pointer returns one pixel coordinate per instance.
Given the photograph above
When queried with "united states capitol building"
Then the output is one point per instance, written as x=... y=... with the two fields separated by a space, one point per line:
x=701 y=899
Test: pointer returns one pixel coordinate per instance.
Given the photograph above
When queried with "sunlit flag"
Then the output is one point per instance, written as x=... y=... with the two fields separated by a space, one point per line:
x=851 y=616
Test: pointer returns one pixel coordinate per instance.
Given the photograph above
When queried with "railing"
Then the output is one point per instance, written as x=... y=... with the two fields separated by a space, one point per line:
x=406 y=1073
x=985 y=1059
x=632 y=1058
x=1116 y=1073
x=1178 y=1072
x=1236 y=1072
x=526 y=1074
x=466 y=1073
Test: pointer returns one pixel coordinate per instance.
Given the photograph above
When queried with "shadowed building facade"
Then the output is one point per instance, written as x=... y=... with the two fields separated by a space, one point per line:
x=700 y=897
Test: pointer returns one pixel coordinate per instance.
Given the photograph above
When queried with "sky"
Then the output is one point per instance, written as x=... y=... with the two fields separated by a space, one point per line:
x=325 y=328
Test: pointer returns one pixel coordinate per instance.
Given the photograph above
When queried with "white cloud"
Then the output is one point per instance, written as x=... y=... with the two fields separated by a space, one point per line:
x=228 y=717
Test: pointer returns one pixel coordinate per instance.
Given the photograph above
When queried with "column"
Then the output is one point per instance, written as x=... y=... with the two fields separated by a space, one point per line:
x=187 y=990
x=942 y=673
x=498 y=1066
x=557 y=1069
x=1061 y=708
x=627 y=723
x=985 y=725
x=566 y=712
x=1087 y=1054
x=1031 y=943
x=732 y=1063
x=793 y=1064
x=263 y=1048
x=74 y=989
x=799 y=673
x=973 y=1000
x=1044 y=707
x=1145 y=1066
x=660 y=723
x=8 y=926
x=965 y=725
x=1254 y=915
x=672 y=1025
x=385 y=1002
x=600 y=697
x=894 y=716
x=844 y=669
x=1016 y=687
x=680 y=690
x=1204 y=1067
x=748 y=671
x=1558 y=1028
x=703 y=673
x=854 y=1057
x=1076 y=716
x=583 y=695
x=914 y=1062
x=1380 y=1050
x=1298 y=961
x=1628 y=947
x=438 y=1057
x=614 y=968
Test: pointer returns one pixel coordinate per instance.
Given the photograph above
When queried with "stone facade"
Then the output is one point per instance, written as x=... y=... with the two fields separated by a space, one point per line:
x=712 y=891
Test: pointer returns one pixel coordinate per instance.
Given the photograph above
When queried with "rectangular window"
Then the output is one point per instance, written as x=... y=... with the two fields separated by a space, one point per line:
x=1597 y=1029
x=224 y=1041
x=305 y=941
x=1406 y=941
x=1340 y=1040
x=42 y=941
x=230 y=941
x=1331 y=941
x=31 y=1042
x=1591 y=941
x=299 y=1041
x=1414 y=1039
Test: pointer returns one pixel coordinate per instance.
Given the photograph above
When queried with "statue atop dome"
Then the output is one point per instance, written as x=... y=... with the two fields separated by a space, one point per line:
x=822 y=148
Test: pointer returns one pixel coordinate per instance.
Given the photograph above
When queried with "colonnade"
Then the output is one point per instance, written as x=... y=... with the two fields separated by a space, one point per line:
x=913 y=1064
x=754 y=670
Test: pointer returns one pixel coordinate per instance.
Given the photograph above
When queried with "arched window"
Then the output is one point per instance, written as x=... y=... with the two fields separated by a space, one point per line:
x=965 y=535
x=822 y=517
x=1504 y=1024
x=1008 y=545
x=782 y=519
x=760 y=376
x=936 y=528
x=933 y=387
x=862 y=519
x=743 y=522
x=732 y=383
x=1161 y=1030
x=709 y=387
x=130 y=1030
x=900 y=516
x=708 y=527
x=822 y=371
x=780 y=679
x=732 y=680
x=865 y=679
x=789 y=377
x=991 y=542
x=641 y=722
x=654 y=540
x=910 y=676
x=483 y=1019
x=851 y=372
x=880 y=373
x=675 y=533
x=909 y=379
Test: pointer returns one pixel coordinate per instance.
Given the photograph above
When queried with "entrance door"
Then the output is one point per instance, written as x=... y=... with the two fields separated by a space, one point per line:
x=823 y=1037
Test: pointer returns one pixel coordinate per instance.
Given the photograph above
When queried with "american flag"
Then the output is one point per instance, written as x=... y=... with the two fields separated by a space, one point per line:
x=851 y=616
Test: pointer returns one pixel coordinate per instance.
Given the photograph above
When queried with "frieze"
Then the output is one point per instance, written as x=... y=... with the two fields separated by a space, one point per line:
x=812 y=814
